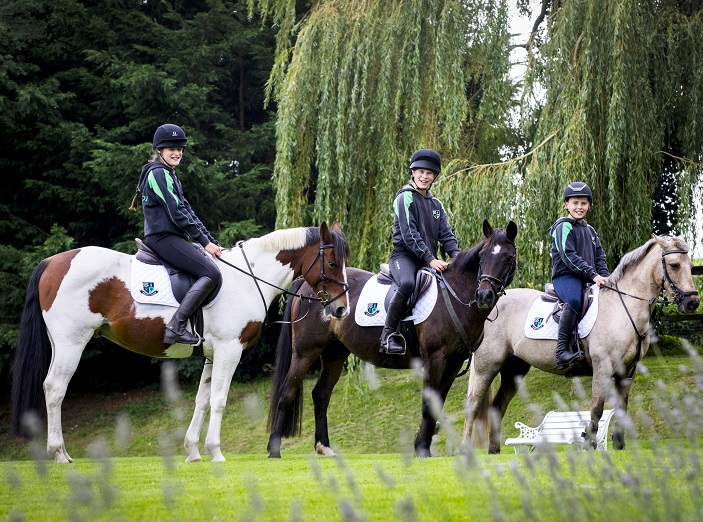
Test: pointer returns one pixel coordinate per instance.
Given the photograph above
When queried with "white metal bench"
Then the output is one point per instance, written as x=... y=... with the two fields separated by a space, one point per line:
x=561 y=427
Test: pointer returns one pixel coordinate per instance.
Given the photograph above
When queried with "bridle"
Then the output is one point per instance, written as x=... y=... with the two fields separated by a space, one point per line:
x=678 y=294
x=498 y=285
x=323 y=296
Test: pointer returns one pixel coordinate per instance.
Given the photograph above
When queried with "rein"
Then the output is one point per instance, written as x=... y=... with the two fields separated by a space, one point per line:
x=324 y=300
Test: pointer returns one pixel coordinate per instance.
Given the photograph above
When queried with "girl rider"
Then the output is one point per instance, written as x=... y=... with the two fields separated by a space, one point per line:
x=170 y=225
x=420 y=223
x=577 y=259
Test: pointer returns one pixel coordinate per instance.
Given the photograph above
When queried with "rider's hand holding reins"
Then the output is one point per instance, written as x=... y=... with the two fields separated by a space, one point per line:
x=213 y=249
x=439 y=265
x=600 y=280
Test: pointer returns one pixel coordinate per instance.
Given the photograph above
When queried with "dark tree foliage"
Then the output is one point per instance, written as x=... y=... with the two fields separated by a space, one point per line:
x=83 y=86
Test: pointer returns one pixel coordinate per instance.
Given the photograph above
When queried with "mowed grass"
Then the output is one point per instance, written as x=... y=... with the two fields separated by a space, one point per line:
x=129 y=462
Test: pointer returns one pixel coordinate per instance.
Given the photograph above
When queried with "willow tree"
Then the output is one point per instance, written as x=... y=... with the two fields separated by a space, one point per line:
x=622 y=89
x=361 y=84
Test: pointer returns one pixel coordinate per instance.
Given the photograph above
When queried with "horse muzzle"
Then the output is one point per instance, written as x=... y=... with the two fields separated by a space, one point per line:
x=485 y=297
x=689 y=304
x=336 y=310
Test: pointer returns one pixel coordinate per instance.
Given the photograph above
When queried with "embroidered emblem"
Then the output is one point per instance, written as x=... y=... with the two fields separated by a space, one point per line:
x=539 y=323
x=371 y=309
x=435 y=213
x=148 y=289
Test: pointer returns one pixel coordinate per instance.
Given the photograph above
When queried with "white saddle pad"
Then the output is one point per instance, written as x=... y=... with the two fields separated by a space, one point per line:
x=150 y=284
x=371 y=310
x=540 y=325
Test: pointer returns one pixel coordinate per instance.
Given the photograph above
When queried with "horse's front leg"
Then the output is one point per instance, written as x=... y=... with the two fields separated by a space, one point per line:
x=202 y=402
x=439 y=377
x=601 y=384
x=622 y=386
x=332 y=365
x=225 y=360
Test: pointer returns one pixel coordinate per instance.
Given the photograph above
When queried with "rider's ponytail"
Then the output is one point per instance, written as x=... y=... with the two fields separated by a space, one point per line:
x=135 y=200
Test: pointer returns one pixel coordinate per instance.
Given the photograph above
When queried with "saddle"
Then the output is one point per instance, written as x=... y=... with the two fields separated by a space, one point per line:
x=181 y=281
x=423 y=280
x=550 y=296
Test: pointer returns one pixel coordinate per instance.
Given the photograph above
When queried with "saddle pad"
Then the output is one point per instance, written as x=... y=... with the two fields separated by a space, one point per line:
x=540 y=324
x=371 y=310
x=151 y=284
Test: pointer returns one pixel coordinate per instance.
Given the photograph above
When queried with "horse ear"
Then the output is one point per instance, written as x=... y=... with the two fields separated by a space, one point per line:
x=325 y=232
x=487 y=228
x=336 y=227
x=661 y=241
x=511 y=230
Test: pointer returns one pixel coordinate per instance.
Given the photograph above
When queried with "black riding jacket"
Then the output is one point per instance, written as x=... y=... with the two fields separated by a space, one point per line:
x=576 y=250
x=166 y=210
x=420 y=223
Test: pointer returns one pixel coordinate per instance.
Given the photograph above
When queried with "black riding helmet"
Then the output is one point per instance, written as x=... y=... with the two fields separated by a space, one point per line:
x=426 y=159
x=578 y=189
x=169 y=135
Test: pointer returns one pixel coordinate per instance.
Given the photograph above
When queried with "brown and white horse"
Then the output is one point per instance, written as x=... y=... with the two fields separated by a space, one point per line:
x=82 y=293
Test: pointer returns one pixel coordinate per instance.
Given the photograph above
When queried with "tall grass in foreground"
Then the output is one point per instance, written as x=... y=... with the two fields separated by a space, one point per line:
x=655 y=478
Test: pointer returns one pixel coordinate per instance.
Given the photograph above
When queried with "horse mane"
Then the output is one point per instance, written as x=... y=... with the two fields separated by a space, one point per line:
x=296 y=238
x=468 y=259
x=638 y=254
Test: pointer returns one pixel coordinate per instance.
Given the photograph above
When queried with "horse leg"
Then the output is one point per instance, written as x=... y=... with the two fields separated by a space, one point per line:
x=512 y=371
x=622 y=386
x=439 y=377
x=224 y=362
x=332 y=364
x=202 y=402
x=476 y=429
x=602 y=375
x=66 y=357
x=287 y=415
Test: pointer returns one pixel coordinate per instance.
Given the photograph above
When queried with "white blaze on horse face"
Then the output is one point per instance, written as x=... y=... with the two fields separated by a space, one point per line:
x=496 y=249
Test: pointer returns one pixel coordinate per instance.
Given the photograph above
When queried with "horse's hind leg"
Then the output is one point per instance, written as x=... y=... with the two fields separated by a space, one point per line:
x=202 y=403
x=66 y=357
x=332 y=364
x=513 y=369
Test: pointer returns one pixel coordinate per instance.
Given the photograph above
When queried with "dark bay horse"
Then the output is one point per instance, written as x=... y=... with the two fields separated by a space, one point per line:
x=619 y=339
x=82 y=293
x=477 y=277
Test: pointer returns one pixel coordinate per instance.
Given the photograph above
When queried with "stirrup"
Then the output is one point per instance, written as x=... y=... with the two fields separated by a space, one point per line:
x=386 y=347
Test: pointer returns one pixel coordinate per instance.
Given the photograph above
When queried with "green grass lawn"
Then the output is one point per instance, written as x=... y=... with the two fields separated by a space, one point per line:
x=133 y=468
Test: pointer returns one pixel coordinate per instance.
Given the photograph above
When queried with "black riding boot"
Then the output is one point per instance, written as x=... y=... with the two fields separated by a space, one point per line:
x=176 y=328
x=390 y=340
x=567 y=323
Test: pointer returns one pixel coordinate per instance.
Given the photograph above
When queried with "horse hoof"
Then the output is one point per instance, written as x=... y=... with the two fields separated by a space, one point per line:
x=272 y=456
x=194 y=459
x=324 y=451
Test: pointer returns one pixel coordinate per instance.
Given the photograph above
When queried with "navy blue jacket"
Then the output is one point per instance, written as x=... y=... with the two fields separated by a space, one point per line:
x=420 y=223
x=166 y=210
x=576 y=250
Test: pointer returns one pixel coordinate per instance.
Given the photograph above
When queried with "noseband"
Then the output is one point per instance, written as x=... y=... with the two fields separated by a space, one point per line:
x=679 y=295
x=323 y=296
x=498 y=285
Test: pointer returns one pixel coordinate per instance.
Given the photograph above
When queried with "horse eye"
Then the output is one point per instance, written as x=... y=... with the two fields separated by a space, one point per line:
x=675 y=266
x=333 y=265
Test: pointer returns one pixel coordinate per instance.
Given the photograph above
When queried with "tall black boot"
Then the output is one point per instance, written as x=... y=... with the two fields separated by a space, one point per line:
x=176 y=328
x=567 y=323
x=389 y=338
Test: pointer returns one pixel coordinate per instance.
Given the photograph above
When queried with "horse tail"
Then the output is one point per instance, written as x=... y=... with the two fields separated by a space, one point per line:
x=293 y=414
x=481 y=427
x=32 y=358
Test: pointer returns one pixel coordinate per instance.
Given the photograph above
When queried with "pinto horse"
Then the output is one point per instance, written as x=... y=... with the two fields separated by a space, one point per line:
x=618 y=340
x=475 y=279
x=84 y=293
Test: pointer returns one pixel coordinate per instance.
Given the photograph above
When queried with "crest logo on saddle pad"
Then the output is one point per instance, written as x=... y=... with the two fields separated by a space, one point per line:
x=371 y=309
x=148 y=289
x=435 y=213
x=539 y=323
